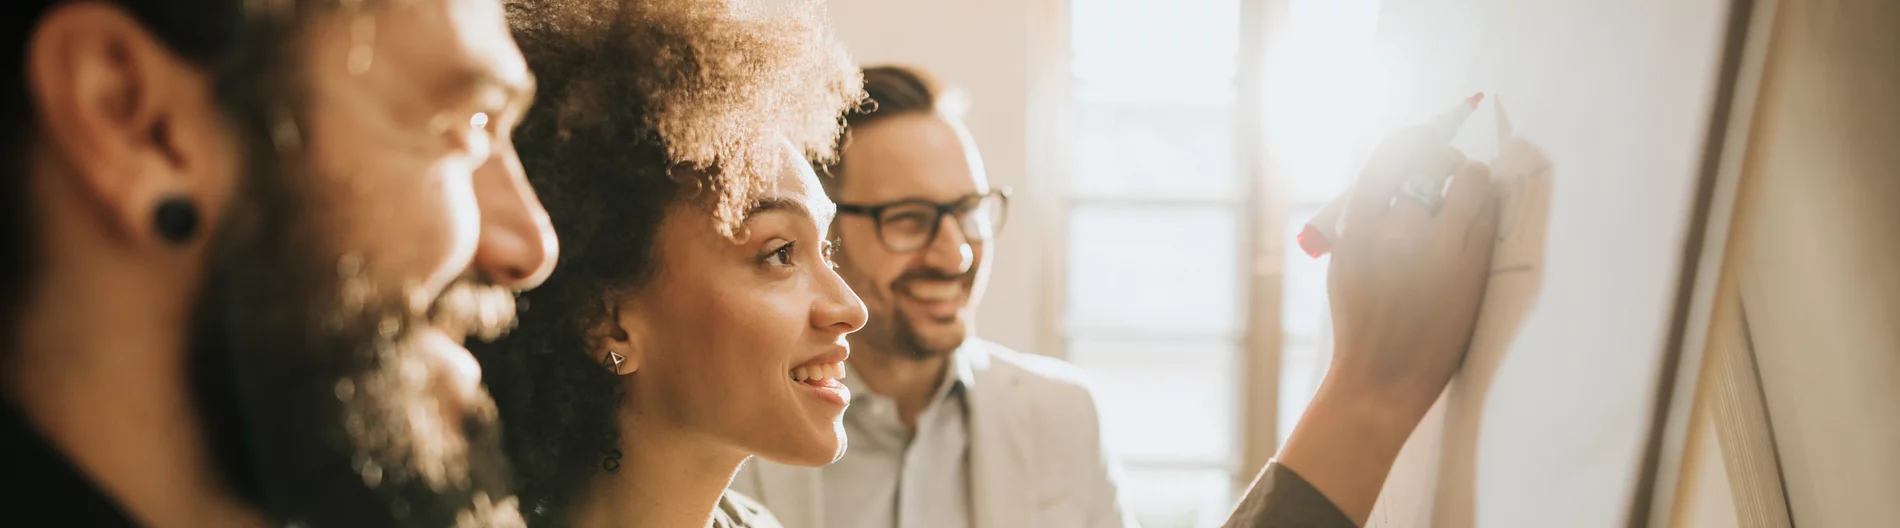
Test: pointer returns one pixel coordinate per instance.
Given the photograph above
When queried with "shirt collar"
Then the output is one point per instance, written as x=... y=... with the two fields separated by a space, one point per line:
x=960 y=368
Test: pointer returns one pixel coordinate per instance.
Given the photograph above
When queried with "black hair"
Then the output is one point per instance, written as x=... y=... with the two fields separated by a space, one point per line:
x=889 y=90
x=643 y=107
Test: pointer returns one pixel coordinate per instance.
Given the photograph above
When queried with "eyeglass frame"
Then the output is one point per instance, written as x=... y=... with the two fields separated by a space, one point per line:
x=876 y=213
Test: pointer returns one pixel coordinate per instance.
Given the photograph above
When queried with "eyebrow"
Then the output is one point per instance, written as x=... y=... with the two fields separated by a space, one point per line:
x=519 y=92
x=781 y=203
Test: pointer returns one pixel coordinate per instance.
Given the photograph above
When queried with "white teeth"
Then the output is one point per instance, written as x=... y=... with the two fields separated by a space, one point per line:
x=823 y=371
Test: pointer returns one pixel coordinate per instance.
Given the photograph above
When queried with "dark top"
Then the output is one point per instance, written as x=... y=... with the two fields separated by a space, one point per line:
x=1281 y=499
x=739 y=511
x=40 y=487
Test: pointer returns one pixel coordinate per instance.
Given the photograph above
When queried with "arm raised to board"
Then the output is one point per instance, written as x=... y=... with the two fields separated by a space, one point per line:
x=1405 y=283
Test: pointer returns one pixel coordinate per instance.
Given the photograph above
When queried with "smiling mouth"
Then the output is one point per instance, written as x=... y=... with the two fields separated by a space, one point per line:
x=451 y=365
x=821 y=379
x=934 y=291
x=819 y=374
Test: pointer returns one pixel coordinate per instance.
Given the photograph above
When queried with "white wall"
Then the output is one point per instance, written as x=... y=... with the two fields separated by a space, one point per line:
x=1545 y=424
x=984 y=48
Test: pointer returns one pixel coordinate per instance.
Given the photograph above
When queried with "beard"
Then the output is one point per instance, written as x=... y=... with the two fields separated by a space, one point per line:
x=313 y=381
x=911 y=344
x=906 y=340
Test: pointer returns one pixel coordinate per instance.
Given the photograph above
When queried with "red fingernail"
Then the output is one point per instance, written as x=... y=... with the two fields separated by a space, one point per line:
x=1313 y=242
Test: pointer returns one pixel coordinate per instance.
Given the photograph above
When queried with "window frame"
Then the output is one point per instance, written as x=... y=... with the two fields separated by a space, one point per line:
x=1261 y=246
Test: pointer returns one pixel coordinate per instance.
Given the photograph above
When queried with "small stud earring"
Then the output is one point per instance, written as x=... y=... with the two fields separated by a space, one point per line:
x=176 y=220
x=614 y=359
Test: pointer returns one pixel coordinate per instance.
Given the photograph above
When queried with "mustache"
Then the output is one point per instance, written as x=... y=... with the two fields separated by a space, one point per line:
x=473 y=307
x=933 y=274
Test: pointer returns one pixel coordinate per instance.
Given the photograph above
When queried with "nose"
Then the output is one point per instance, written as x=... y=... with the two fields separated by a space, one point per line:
x=517 y=248
x=838 y=308
x=950 y=250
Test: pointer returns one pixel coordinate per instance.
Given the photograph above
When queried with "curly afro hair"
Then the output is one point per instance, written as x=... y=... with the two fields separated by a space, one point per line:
x=643 y=106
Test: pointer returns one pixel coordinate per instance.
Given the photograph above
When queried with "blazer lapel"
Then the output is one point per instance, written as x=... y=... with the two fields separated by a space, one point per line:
x=999 y=455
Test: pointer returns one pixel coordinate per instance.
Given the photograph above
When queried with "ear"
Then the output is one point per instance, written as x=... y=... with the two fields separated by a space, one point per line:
x=136 y=125
x=616 y=347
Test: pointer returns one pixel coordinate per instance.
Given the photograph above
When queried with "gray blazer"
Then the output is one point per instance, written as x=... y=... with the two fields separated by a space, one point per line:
x=1036 y=456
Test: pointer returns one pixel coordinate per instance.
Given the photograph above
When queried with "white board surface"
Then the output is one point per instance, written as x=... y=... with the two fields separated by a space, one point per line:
x=1546 y=425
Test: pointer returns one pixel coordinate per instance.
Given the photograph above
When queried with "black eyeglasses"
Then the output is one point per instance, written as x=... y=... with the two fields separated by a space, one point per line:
x=908 y=225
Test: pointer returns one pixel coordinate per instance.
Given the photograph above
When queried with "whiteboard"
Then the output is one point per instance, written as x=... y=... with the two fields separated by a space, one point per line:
x=1604 y=110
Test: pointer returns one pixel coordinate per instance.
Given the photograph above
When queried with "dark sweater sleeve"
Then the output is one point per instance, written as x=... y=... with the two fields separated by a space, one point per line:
x=740 y=511
x=1279 y=498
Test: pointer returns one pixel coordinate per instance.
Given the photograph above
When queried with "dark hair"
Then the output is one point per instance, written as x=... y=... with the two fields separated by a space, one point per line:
x=896 y=89
x=643 y=107
x=889 y=90
x=204 y=32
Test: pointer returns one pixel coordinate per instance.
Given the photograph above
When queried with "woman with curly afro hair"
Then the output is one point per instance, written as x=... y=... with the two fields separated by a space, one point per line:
x=694 y=318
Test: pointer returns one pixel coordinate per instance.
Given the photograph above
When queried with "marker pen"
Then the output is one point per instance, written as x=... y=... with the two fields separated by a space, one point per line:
x=1318 y=235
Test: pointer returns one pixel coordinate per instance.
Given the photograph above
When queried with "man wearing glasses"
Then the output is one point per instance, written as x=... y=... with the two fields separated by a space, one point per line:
x=945 y=429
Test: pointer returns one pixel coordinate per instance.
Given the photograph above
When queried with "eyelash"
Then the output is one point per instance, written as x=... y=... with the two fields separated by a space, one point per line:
x=830 y=252
x=785 y=253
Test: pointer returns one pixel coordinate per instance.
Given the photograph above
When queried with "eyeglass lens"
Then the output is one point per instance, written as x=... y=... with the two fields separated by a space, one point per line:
x=910 y=226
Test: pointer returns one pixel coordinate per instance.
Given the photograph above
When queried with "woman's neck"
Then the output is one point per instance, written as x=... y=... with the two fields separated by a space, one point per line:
x=665 y=480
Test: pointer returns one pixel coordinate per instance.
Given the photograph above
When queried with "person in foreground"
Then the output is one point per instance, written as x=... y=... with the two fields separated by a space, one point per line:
x=242 y=250
x=1405 y=284
x=694 y=319
x=947 y=429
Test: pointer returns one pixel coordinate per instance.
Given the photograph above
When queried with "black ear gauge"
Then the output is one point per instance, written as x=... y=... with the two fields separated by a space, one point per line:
x=176 y=220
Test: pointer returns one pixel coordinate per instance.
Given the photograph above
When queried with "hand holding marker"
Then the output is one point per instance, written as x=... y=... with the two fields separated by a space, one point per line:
x=1320 y=232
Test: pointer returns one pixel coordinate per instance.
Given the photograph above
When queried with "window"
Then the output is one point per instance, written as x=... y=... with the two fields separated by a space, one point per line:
x=1326 y=92
x=1155 y=282
x=1162 y=206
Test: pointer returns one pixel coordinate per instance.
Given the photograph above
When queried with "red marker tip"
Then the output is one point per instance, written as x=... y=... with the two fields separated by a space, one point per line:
x=1313 y=242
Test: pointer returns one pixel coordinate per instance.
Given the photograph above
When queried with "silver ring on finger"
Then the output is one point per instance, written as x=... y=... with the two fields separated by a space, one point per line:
x=1426 y=190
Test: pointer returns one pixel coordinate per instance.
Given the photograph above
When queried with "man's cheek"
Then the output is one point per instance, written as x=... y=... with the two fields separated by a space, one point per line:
x=432 y=241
